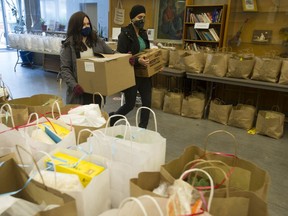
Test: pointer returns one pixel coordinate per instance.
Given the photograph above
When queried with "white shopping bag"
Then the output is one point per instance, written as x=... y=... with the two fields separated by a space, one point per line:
x=38 y=139
x=9 y=139
x=95 y=197
x=119 y=15
x=130 y=150
x=89 y=116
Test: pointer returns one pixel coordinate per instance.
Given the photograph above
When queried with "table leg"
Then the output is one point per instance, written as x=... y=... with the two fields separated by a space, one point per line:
x=208 y=96
x=17 y=61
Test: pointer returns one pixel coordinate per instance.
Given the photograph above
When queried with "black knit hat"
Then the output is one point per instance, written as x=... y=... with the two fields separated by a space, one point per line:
x=137 y=9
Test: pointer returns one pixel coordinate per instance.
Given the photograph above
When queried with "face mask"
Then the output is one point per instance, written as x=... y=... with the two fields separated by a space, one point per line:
x=139 y=23
x=86 y=31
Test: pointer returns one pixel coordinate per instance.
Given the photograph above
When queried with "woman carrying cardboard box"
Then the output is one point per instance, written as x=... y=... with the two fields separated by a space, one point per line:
x=134 y=39
x=81 y=42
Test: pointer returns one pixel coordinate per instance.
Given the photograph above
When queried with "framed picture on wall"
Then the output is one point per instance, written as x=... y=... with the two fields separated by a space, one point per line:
x=249 y=5
x=262 y=36
x=169 y=21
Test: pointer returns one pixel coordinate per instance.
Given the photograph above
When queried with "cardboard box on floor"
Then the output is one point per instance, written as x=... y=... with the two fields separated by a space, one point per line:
x=155 y=65
x=108 y=75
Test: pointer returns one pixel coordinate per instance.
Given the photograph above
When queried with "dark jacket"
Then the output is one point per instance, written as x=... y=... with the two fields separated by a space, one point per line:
x=128 y=41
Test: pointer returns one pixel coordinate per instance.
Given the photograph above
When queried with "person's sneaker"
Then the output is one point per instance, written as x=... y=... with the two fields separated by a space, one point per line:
x=111 y=113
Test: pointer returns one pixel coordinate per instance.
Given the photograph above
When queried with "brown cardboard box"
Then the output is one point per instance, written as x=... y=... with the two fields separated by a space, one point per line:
x=107 y=75
x=155 y=65
x=112 y=45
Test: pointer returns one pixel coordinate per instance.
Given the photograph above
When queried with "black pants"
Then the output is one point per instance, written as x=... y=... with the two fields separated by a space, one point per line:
x=144 y=87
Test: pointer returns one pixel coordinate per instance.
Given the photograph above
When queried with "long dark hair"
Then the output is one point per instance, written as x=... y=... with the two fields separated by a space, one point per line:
x=75 y=25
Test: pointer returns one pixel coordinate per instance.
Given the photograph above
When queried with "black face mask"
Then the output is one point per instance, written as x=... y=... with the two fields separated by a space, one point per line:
x=139 y=23
x=86 y=31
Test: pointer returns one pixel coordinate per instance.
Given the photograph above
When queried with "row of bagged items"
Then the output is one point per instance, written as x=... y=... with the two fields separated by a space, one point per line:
x=217 y=183
x=37 y=43
x=191 y=106
x=121 y=162
x=235 y=65
x=268 y=122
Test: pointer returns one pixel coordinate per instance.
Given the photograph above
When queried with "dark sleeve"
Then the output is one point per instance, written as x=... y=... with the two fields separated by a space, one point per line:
x=66 y=66
x=106 y=49
x=122 y=45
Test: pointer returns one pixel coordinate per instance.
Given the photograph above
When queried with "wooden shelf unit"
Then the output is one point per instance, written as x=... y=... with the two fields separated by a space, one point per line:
x=199 y=23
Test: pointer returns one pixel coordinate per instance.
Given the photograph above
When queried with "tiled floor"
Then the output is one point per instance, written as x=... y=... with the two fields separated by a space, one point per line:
x=180 y=132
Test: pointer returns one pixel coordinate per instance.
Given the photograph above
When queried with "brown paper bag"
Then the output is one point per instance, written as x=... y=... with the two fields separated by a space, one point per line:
x=219 y=112
x=240 y=66
x=284 y=73
x=145 y=184
x=14 y=178
x=40 y=103
x=266 y=69
x=242 y=116
x=165 y=56
x=237 y=203
x=270 y=123
x=193 y=105
x=158 y=97
x=176 y=59
x=173 y=103
x=14 y=115
x=245 y=176
x=216 y=64
x=194 y=62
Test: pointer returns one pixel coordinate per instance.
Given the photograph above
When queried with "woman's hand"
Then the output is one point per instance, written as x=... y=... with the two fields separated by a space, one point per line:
x=143 y=61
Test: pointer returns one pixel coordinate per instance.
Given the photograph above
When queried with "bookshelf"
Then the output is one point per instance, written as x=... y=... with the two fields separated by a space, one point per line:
x=204 y=26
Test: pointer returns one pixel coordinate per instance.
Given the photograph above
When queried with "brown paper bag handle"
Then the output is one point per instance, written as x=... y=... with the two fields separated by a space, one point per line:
x=221 y=131
x=10 y=111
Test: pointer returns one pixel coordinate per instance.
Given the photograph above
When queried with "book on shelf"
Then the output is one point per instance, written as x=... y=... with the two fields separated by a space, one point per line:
x=208 y=35
x=216 y=15
x=191 y=33
x=206 y=18
x=200 y=18
x=188 y=13
x=194 y=19
x=192 y=46
x=214 y=34
x=200 y=35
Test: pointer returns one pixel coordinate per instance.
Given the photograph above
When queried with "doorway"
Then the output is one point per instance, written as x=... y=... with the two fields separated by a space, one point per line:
x=91 y=10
